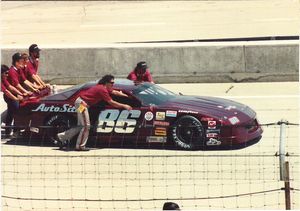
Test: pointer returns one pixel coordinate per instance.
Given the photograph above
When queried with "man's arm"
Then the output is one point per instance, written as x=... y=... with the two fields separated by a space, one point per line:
x=14 y=90
x=119 y=105
x=11 y=96
x=22 y=89
x=36 y=78
x=30 y=85
x=119 y=93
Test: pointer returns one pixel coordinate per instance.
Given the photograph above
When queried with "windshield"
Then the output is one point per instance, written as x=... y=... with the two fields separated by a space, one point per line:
x=151 y=94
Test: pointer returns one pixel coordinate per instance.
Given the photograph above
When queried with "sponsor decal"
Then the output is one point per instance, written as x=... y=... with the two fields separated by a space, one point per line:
x=160 y=131
x=213 y=131
x=34 y=129
x=206 y=118
x=148 y=116
x=212 y=135
x=171 y=113
x=64 y=108
x=211 y=124
x=234 y=120
x=213 y=142
x=188 y=111
x=160 y=115
x=161 y=123
x=156 y=139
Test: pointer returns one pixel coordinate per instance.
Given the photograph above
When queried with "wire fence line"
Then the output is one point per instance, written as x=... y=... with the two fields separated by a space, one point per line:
x=42 y=178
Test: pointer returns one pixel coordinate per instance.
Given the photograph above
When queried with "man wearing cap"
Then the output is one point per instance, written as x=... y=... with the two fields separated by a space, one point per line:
x=26 y=76
x=85 y=99
x=11 y=96
x=14 y=74
x=140 y=73
x=33 y=65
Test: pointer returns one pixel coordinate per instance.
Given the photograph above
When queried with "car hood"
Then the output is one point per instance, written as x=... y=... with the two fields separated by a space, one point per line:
x=211 y=106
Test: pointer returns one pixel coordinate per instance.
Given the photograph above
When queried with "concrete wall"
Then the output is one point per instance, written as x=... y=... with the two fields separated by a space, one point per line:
x=170 y=63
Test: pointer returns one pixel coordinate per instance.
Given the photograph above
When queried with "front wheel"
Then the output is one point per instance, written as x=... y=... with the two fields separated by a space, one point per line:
x=187 y=133
x=57 y=124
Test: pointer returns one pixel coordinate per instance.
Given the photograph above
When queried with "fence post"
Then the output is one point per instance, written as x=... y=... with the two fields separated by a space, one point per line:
x=282 y=150
x=287 y=189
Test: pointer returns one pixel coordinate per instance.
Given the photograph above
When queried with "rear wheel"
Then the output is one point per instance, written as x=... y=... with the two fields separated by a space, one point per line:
x=57 y=124
x=187 y=133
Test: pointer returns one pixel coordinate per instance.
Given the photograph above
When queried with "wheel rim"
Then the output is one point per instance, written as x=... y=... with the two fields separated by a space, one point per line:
x=188 y=131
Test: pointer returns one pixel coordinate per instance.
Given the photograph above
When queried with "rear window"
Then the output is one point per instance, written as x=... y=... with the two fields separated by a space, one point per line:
x=69 y=92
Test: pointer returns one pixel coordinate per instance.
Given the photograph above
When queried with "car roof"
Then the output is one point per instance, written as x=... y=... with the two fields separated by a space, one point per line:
x=120 y=84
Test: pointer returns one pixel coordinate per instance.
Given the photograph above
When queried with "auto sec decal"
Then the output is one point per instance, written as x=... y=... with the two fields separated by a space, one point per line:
x=64 y=108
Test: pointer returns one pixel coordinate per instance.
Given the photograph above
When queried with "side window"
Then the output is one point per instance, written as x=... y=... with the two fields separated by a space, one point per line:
x=127 y=100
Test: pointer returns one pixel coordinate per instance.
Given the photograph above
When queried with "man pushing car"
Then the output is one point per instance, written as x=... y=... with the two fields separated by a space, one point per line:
x=85 y=99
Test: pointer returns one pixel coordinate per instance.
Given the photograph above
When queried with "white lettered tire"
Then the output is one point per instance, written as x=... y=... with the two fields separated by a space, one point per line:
x=187 y=133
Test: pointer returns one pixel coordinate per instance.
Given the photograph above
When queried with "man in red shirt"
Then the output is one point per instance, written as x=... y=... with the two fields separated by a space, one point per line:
x=26 y=75
x=140 y=73
x=86 y=99
x=14 y=76
x=33 y=65
x=11 y=96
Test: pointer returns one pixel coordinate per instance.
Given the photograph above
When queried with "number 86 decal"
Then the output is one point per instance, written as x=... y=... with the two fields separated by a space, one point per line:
x=110 y=120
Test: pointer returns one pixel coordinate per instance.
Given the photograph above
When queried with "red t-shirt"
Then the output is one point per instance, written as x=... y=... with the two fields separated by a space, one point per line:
x=95 y=94
x=4 y=85
x=3 y=88
x=145 y=77
x=5 y=82
x=22 y=75
x=13 y=76
x=32 y=66
x=27 y=73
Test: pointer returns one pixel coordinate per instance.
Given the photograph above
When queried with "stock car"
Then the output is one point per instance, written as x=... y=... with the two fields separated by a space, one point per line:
x=158 y=116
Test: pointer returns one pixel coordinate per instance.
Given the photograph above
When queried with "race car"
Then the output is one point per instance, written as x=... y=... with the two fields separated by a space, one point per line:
x=158 y=116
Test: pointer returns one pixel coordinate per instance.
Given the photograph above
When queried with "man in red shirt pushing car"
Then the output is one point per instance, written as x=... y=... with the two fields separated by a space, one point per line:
x=85 y=99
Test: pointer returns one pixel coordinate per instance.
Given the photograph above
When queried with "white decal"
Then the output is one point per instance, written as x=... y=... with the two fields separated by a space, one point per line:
x=64 y=108
x=171 y=113
x=156 y=139
x=211 y=124
x=107 y=119
x=34 y=129
x=160 y=115
x=126 y=125
x=149 y=116
x=110 y=120
x=188 y=112
x=213 y=142
x=234 y=120
x=212 y=135
x=230 y=107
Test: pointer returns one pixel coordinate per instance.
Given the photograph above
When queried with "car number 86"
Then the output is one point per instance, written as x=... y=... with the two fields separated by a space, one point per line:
x=110 y=120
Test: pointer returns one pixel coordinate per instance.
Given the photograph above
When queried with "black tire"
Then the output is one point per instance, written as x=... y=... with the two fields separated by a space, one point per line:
x=187 y=133
x=58 y=123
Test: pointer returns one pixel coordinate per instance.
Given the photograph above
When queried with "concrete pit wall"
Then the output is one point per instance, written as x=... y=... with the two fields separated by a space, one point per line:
x=172 y=63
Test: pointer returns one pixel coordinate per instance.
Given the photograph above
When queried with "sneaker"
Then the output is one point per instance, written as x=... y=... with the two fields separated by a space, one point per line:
x=60 y=136
x=84 y=149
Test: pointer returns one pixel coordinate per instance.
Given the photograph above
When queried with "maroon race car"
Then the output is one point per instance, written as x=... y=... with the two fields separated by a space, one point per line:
x=158 y=116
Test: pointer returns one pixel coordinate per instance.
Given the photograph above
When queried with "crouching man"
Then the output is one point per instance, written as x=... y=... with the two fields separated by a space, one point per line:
x=85 y=99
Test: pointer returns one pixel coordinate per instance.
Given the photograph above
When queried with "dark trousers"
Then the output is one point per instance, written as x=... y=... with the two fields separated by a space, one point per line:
x=12 y=107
